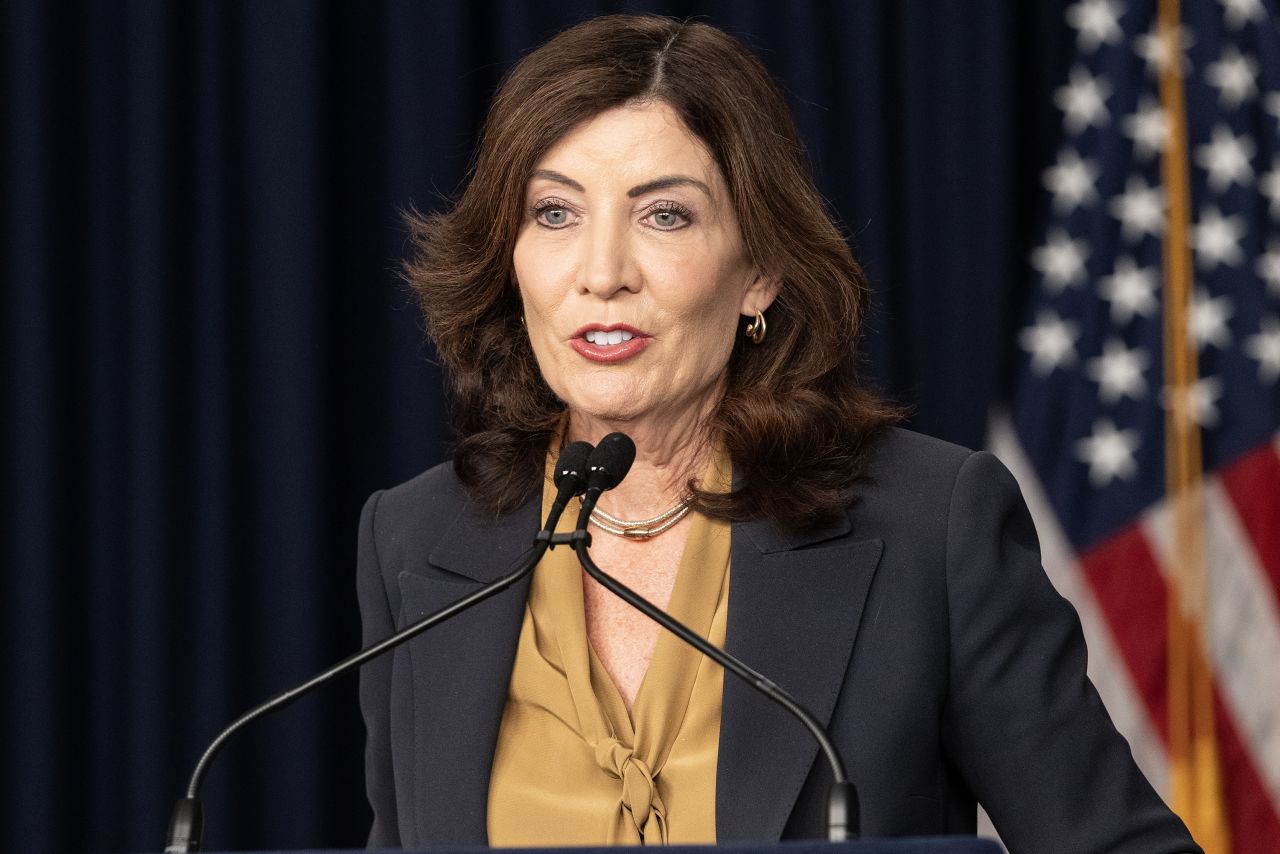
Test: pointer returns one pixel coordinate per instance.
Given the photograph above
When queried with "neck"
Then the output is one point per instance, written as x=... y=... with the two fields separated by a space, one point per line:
x=667 y=456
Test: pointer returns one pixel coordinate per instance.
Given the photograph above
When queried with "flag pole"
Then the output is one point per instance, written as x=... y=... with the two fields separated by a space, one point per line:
x=1196 y=785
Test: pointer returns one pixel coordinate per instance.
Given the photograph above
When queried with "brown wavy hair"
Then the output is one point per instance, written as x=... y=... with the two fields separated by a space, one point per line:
x=795 y=419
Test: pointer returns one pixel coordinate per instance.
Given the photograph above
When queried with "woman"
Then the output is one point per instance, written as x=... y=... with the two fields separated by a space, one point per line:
x=640 y=248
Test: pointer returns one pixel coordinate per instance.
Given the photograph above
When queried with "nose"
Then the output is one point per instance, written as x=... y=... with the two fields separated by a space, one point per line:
x=607 y=266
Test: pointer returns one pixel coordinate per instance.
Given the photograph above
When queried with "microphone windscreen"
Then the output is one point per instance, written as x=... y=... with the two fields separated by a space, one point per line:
x=611 y=460
x=572 y=462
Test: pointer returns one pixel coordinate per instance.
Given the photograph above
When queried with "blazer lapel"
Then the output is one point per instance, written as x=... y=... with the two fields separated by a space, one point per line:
x=793 y=616
x=461 y=670
x=781 y=623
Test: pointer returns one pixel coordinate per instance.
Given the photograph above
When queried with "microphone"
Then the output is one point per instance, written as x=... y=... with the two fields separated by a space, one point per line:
x=607 y=466
x=570 y=476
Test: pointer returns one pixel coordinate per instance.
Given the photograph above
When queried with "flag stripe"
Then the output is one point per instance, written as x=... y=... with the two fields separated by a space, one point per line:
x=1126 y=581
x=1251 y=817
x=1107 y=669
x=1245 y=640
x=1126 y=578
x=1253 y=482
x=1243 y=627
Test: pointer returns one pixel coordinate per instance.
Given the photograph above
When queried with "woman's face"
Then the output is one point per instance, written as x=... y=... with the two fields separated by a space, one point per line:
x=631 y=268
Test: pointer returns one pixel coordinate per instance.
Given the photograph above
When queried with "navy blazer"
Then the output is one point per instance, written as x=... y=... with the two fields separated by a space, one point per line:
x=919 y=628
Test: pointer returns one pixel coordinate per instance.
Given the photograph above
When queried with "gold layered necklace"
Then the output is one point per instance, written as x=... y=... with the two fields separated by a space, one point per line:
x=645 y=529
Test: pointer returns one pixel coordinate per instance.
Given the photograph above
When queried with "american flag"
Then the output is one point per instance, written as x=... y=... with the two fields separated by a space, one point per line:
x=1085 y=432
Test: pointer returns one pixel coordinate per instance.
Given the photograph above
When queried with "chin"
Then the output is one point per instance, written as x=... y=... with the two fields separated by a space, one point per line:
x=609 y=411
x=608 y=401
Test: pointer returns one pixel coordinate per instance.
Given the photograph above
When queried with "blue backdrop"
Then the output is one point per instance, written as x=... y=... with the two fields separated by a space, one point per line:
x=208 y=361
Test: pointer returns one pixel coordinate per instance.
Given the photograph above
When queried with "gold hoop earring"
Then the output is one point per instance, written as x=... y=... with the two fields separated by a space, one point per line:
x=756 y=329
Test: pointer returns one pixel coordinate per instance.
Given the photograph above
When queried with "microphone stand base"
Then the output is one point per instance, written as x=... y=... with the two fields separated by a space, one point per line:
x=843 y=813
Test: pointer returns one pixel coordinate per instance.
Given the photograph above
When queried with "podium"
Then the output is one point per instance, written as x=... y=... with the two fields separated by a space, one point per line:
x=914 y=845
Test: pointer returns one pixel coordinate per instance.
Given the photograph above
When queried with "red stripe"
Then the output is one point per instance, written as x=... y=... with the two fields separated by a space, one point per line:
x=1253 y=482
x=1130 y=591
x=1251 y=817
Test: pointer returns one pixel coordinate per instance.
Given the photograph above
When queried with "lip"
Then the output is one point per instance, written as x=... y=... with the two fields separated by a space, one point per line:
x=609 y=355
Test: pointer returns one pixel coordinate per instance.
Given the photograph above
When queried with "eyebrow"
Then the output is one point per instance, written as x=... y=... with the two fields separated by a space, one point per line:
x=560 y=178
x=662 y=183
x=668 y=181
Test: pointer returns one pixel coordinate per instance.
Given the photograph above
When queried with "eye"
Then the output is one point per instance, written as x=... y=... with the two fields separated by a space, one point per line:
x=554 y=216
x=669 y=216
x=551 y=213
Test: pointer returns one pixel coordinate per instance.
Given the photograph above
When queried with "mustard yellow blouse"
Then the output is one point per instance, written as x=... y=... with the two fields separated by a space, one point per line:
x=572 y=767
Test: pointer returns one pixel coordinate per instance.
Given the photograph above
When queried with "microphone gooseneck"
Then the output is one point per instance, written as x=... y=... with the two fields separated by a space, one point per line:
x=606 y=469
x=186 y=822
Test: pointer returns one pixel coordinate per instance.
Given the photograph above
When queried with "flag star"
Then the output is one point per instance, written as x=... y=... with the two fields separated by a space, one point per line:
x=1269 y=186
x=1083 y=100
x=1200 y=401
x=1147 y=127
x=1272 y=104
x=1205 y=395
x=1151 y=47
x=1240 y=12
x=1109 y=453
x=1061 y=260
x=1071 y=181
x=1226 y=157
x=1096 y=22
x=1140 y=209
x=1268 y=267
x=1204 y=398
x=1207 y=322
x=1051 y=341
x=1130 y=290
x=1234 y=76
x=1265 y=348
x=1118 y=372
x=1217 y=238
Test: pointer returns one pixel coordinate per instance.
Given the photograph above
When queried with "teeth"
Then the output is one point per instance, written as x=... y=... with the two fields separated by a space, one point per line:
x=607 y=339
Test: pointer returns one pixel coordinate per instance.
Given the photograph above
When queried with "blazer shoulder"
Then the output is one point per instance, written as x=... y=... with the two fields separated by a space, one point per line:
x=435 y=486
x=409 y=518
x=905 y=459
x=908 y=491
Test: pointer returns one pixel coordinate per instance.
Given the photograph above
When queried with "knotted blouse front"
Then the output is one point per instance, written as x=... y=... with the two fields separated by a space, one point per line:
x=572 y=767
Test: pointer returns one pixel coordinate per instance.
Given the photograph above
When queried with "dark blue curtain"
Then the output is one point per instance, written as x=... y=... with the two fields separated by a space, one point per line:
x=208 y=361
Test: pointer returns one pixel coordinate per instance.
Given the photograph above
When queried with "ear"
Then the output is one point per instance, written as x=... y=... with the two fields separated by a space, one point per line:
x=759 y=295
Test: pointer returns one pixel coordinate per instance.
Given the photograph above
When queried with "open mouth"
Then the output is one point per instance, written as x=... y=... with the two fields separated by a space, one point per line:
x=607 y=345
x=612 y=338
